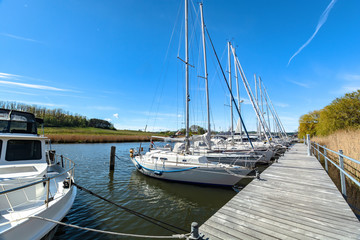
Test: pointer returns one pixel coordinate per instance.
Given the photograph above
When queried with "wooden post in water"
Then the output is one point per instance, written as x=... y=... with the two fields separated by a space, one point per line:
x=112 y=158
x=325 y=156
x=342 y=176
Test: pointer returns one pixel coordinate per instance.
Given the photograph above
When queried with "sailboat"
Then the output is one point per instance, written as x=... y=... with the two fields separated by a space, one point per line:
x=181 y=164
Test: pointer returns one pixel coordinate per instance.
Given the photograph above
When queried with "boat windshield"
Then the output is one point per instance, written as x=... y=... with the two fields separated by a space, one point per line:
x=17 y=122
x=18 y=150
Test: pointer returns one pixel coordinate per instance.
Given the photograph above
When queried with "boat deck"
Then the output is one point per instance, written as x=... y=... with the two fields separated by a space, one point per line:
x=295 y=199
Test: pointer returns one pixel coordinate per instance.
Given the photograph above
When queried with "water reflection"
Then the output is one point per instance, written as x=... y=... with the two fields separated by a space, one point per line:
x=176 y=203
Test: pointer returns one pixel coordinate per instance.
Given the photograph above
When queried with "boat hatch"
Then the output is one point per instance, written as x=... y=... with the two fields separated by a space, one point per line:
x=10 y=170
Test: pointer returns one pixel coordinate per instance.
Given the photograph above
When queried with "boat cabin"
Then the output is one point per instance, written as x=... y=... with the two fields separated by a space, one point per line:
x=22 y=150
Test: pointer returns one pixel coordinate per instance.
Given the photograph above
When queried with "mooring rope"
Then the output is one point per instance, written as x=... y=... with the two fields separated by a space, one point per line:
x=145 y=217
x=174 y=236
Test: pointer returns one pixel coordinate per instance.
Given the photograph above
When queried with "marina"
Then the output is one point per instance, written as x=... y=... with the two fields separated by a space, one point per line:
x=180 y=168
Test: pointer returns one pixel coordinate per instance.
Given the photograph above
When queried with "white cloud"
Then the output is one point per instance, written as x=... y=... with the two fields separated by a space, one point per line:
x=321 y=22
x=107 y=119
x=116 y=115
x=34 y=86
x=305 y=85
x=348 y=89
x=39 y=103
x=19 y=38
x=281 y=104
x=349 y=77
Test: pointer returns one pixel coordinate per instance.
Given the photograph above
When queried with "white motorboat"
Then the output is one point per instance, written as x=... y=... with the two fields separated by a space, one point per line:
x=34 y=183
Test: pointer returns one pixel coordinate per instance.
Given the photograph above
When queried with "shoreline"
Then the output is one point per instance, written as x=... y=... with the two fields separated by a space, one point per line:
x=88 y=138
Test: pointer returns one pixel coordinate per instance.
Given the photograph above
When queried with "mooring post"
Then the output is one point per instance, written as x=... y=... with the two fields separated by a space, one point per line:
x=342 y=176
x=309 y=144
x=325 y=156
x=112 y=158
x=194 y=231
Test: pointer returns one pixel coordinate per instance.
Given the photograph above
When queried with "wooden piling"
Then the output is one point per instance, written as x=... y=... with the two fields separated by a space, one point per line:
x=112 y=158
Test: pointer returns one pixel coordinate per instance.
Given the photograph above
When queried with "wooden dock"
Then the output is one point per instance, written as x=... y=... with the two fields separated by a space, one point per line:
x=295 y=199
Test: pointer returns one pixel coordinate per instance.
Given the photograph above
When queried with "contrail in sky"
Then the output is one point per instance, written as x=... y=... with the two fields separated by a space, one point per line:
x=322 y=20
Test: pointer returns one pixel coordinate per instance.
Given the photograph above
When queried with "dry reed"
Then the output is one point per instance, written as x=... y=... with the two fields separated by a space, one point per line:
x=72 y=138
x=349 y=142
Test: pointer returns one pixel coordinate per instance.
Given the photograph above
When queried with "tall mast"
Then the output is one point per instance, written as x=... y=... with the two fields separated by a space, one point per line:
x=261 y=102
x=238 y=96
x=205 y=69
x=257 y=102
x=187 y=97
x=231 y=102
x=251 y=96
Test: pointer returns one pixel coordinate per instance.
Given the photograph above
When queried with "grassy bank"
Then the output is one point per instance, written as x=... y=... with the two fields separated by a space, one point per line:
x=95 y=135
x=349 y=142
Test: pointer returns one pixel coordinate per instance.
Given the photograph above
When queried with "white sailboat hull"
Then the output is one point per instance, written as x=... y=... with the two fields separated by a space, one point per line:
x=211 y=174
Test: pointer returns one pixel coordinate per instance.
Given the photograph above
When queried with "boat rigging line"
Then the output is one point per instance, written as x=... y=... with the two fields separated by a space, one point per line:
x=174 y=236
x=143 y=216
x=227 y=84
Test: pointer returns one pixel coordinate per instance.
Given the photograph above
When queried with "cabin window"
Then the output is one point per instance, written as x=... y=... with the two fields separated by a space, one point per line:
x=18 y=150
x=163 y=159
x=0 y=147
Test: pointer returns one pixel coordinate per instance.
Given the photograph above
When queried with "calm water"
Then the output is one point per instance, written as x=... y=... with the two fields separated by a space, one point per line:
x=175 y=203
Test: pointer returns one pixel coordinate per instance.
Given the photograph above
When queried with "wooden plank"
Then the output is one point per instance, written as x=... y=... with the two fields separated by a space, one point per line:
x=295 y=199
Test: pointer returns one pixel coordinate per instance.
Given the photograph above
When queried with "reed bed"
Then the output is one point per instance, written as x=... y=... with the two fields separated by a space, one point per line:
x=83 y=138
x=348 y=141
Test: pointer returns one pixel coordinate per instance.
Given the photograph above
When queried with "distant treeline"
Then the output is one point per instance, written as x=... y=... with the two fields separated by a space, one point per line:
x=57 y=117
x=342 y=113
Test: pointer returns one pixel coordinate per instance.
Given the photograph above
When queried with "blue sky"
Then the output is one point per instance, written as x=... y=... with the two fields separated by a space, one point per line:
x=117 y=60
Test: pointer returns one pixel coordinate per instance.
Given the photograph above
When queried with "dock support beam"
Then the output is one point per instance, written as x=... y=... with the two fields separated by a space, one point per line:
x=342 y=176
x=112 y=158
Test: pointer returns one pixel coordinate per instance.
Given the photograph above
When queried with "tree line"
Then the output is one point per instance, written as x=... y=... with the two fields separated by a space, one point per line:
x=57 y=117
x=342 y=113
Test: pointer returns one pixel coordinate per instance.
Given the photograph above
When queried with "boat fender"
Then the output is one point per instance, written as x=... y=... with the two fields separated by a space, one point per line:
x=66 y=183
x=44 y=182
x=138 y=166
x=159 y=173
x=131 y=152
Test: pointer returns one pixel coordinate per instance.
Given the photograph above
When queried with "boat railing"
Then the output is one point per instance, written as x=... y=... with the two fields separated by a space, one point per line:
x=346 y=168
x=68 y=169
